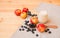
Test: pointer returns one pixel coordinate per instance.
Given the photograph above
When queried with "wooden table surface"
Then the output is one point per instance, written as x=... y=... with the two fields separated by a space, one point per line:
x=9 y=22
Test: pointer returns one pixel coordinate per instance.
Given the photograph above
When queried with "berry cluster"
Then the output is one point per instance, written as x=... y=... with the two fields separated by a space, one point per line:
x=29 y=28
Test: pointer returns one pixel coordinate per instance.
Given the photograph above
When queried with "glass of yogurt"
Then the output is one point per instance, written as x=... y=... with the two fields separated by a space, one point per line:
x=43 y=16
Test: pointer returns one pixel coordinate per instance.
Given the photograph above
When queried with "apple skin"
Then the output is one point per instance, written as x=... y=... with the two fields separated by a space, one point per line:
x=41 y=27
x=34 y=20
x=18 y=12
x=25 y=10
x=23 y=15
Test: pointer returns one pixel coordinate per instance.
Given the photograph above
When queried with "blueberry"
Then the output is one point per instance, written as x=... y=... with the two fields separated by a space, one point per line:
x=49 y=32
x=25 y=27
x=28 y=29
x=33 y=32
x=45 y=30
x=22 y=26
x=29 y=13
x=26 y=24
x=19 y=29
x=26 y=21
x=37 y=35
x=48 y=29
x=32 y=25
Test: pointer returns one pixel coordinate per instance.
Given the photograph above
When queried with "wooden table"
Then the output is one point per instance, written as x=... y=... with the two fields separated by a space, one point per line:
x=9 y=22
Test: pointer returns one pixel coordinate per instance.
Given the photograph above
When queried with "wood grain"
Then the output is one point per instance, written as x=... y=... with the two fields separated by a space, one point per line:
x=10 y=22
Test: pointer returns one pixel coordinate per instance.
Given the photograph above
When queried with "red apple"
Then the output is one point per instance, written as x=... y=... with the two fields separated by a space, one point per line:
x=41 y=27
x=25 y=10
x=18 y=12
x=23 y=15
x=34 y=20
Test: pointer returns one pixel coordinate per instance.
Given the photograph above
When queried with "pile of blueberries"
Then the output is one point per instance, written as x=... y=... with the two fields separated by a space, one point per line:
x=30 y=27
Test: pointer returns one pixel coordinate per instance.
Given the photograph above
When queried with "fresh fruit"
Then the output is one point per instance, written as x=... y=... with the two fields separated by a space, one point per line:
x=46 y=31
x=18 y=12
x=32 y=25
x=32 y=31
x=25 y=10
x=49 y=32
x=37 y=35
x=23 y=15
x=26 y=21
x=25 y=27
x=19 y=29
x=34 y=20
x=41 y=27
x=28 y=29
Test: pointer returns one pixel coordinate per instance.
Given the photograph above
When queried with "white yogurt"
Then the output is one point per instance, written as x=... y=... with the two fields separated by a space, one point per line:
x=43 y=16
